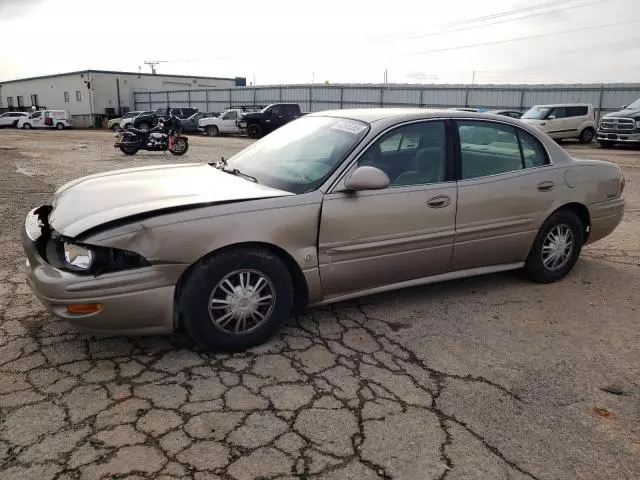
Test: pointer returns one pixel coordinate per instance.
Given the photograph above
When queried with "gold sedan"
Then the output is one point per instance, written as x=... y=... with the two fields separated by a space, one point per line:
x=332 y=206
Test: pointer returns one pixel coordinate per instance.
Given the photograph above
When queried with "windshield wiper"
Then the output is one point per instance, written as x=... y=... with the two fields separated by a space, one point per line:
x=222 y=165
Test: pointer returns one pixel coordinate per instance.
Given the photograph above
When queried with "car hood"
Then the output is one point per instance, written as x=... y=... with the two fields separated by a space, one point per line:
x=98 y=199
x=627 y=113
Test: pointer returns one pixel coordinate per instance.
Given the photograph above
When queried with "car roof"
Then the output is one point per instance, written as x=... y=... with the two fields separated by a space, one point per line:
x=371 y=115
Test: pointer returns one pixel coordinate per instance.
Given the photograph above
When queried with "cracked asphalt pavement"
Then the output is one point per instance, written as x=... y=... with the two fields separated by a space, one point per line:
x=485 y=378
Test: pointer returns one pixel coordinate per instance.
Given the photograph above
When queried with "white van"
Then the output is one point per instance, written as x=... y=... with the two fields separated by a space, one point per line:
x=567 y=120
x=59 y=119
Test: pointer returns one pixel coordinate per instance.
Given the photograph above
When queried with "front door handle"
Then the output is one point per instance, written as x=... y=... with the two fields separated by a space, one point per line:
x=545 y=186
x=439 y=202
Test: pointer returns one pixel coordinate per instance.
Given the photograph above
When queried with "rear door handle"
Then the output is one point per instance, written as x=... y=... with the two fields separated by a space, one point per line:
x=439 y=202
x=545 y=186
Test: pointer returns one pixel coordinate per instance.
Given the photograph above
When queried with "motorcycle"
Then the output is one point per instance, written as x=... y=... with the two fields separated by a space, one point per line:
x=164 y=136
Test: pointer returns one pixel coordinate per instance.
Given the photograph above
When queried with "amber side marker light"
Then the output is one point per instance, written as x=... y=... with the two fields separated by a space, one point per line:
x=84 y=308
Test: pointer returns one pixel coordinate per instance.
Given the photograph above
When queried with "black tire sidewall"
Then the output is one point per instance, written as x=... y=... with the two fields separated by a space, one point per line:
x=534 y=264
x=582 y=135
x=254 y=131
x=194 y=297
x=186 y=147
x=213 y=131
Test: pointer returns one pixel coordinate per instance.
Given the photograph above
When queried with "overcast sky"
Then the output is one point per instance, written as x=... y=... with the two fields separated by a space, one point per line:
x=282 y=41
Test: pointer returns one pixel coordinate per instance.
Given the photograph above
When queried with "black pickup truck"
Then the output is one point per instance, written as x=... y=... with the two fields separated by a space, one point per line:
x=258 y=124
x=621 y=127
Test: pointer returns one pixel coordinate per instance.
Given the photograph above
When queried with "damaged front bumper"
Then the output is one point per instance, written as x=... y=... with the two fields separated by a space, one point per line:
x=137 y=302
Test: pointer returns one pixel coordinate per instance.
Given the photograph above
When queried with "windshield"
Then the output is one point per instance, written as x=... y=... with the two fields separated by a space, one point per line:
x=299 y=156
x=634 y=106
x=536 y=113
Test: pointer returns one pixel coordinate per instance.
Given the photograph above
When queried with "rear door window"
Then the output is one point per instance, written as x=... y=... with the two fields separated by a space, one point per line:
x=577 y=111
x=488 y=148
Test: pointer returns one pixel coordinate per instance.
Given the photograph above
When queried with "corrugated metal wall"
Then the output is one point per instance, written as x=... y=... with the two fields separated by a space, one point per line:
x=314 y=98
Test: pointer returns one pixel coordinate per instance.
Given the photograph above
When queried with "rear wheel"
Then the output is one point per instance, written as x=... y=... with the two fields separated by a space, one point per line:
x=26 y=126
x=606 y=143
x=254 y=131
x=587 y=135
x=236 y=300
x=556 y=248
x=128 y=149
x=60 y=126
x=213 y=131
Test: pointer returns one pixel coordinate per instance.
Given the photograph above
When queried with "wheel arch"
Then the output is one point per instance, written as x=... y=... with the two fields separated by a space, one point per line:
x=300 y=287
x=582 y=212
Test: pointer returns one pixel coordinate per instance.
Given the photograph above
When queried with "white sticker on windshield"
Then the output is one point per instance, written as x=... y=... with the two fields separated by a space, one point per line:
x=349 y=127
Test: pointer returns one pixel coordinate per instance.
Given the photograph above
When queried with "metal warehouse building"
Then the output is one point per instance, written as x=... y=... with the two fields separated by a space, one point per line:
x=93 y=95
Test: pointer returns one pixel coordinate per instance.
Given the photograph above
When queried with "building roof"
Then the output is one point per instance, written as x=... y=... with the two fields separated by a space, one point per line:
x=79 y=72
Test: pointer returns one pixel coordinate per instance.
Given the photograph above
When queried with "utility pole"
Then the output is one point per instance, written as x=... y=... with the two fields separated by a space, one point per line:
x=386 y=76
x=473 y=78
x=153 y=63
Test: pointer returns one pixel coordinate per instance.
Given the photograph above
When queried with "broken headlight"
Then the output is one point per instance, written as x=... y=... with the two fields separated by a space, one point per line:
x=80 y=258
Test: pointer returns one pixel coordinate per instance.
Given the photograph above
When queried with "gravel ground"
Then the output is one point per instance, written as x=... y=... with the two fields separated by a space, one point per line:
x=485 y=378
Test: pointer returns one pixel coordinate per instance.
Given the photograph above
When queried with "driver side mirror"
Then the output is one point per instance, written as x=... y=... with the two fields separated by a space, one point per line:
x=623 y=107
x=551 y=117
x=367 y=178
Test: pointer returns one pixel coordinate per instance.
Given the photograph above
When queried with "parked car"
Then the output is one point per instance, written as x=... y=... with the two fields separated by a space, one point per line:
x=224 y=123
x=10 y=119
x=147 y=120
x=506 y=113
x=621 y=127
x=116 y=123
x=300 y=218
x=560 y=121
x=59 y=119
x=258 y=124
x=128 y=121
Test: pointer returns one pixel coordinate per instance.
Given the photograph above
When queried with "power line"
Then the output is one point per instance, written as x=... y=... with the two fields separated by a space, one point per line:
x=517 y=39
x=497 y=22
x=506 y=13
x=492 y=16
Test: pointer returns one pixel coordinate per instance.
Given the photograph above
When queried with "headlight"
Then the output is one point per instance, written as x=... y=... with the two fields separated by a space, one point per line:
x=78 y=257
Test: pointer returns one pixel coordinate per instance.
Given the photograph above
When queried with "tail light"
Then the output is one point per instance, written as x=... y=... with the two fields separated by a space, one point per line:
x=622 y=184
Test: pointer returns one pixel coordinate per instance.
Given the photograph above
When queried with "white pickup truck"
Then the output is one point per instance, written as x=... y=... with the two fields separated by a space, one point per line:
x=224 y=123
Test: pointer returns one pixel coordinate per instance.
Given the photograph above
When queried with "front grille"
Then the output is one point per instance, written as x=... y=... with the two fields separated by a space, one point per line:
x=618 y=124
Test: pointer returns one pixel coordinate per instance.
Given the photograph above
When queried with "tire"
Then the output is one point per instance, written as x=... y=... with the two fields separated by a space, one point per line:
x=143 y=126
x=559 y=222
x=60 y=126
x=115 y=126
x=127 y=150
x=213 y=131
x=26 y=126
x=254 y=130
x=180 y=151
x=587 y=135
x=212 y=328
x=606 y=144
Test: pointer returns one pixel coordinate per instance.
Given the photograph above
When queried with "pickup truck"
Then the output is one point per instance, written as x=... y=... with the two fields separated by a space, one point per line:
x=621 y=127
x=224 y=123
x=268 y=119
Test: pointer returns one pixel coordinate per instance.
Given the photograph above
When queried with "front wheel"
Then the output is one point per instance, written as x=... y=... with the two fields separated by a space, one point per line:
x=556 y=248
x=180 y=146
x=237 y=299
x=60 y=126
x=213 y=131
x=26 y=126
x=587 y=135
x=254 y=131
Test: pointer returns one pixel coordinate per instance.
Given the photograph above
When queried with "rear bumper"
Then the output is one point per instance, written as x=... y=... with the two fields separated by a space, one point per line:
x=617 y=137
x=134 y=302
x=605 y=217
